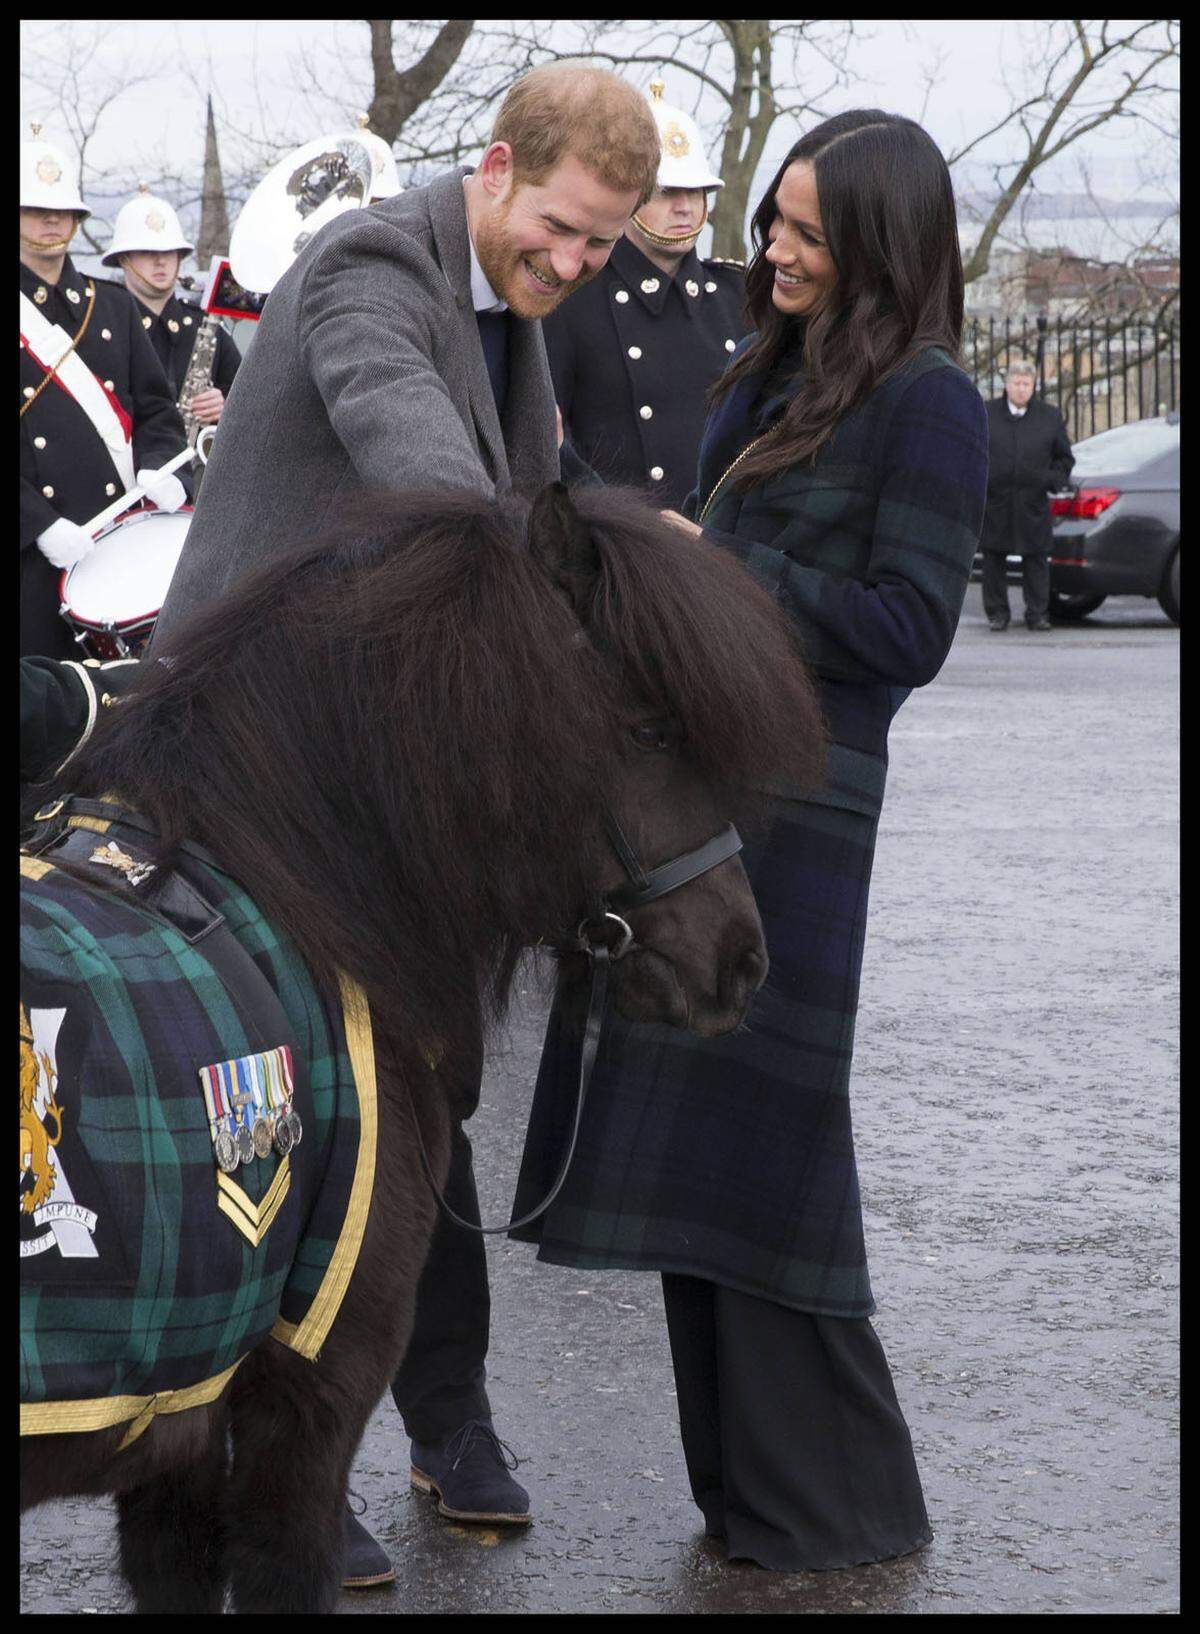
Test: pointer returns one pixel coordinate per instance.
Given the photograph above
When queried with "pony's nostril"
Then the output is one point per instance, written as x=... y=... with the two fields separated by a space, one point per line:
x=751 y=967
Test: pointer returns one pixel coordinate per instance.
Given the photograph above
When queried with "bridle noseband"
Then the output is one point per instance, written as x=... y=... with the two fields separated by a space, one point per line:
x=645 y=885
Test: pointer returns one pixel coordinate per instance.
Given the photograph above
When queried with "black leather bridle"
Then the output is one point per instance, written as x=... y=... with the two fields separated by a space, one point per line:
x=645 y=885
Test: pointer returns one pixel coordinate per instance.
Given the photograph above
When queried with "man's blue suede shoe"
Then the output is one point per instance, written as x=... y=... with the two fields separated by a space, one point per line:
x=364 y=1564
x=469 y=1471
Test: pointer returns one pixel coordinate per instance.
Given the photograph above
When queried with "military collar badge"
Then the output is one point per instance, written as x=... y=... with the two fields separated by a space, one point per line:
x=111 y=856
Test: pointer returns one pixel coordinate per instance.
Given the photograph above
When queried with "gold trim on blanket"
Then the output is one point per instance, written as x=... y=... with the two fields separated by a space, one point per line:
x=73 y=1417
x=307 y=1336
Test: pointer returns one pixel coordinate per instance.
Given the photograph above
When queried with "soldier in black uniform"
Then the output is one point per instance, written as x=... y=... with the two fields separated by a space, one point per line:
x=148 y=244
x=634 y=352
x=97 y=413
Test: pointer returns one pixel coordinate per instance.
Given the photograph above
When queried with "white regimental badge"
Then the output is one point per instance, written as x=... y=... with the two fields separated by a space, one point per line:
x=45 y=1192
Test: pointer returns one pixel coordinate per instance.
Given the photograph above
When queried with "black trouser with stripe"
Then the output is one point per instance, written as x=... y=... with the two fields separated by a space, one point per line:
x=796 y=1448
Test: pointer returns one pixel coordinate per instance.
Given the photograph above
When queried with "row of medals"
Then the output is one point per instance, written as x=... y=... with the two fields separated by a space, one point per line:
x=280 y=1129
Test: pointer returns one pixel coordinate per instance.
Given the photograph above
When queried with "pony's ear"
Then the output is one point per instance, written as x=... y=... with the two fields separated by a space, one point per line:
x=561 y=545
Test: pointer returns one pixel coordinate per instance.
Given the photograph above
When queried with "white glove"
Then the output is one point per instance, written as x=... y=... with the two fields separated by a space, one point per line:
x=168 y=493
x=64 y=543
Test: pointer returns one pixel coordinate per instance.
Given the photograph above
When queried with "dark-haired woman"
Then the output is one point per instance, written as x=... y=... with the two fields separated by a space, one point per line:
x=845 y=462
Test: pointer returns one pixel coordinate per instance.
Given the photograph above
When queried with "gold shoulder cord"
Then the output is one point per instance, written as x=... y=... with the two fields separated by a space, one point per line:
x=50 y=373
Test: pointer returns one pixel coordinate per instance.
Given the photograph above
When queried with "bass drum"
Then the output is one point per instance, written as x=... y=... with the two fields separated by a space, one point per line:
x=113 y=596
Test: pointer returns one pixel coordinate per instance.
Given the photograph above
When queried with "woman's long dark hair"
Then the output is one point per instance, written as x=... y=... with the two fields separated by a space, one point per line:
x=887 y=208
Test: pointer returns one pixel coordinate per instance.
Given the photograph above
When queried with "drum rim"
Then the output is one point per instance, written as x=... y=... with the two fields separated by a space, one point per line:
x=129 y=626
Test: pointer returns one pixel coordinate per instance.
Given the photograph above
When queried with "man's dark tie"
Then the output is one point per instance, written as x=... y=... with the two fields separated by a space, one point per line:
x=493 y=332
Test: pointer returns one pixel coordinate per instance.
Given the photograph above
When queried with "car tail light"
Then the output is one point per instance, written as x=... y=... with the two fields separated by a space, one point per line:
x=1086 y=504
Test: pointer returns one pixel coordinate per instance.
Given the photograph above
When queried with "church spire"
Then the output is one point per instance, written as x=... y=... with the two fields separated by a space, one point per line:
x=213 y=238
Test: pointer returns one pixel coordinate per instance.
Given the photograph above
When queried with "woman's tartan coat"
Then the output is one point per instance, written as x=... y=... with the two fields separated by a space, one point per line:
x=732 y=1158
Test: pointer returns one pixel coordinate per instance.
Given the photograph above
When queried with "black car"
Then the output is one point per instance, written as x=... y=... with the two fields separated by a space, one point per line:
x=1117 y=532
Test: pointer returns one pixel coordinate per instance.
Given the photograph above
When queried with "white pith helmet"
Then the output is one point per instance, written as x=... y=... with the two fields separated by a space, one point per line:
x=684 y=162
x=146 y=222
x=385 y=179
x=48 y=178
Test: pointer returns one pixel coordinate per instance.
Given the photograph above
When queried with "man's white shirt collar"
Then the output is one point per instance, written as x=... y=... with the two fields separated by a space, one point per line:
x=1017 y=411
x=483 y=296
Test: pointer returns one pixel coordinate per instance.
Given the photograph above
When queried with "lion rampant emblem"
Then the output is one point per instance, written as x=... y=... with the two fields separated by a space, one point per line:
x=36 y=1139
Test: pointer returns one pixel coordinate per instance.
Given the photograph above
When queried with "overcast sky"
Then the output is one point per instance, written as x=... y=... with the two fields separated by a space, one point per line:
x=252 y=70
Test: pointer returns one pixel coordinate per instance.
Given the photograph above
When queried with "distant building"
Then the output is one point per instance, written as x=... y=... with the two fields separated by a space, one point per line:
x=1064 y=285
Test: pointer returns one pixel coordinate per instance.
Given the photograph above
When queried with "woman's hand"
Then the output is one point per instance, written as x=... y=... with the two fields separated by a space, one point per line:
x=682 y=522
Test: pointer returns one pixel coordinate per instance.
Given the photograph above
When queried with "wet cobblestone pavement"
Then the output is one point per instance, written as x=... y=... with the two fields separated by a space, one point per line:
x=1015 y=1115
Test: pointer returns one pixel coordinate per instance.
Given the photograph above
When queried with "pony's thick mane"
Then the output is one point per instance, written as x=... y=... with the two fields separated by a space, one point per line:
x=398 y=742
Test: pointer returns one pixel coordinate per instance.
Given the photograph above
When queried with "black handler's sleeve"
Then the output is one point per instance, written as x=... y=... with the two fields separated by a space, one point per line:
x=59 y=703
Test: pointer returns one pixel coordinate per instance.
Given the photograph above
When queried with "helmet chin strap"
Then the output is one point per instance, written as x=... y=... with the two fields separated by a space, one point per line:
x=672 y=241
x=143 y=286
x=59 y=246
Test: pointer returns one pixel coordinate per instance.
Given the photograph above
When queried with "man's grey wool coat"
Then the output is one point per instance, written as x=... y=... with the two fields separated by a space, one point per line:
x=366 y=372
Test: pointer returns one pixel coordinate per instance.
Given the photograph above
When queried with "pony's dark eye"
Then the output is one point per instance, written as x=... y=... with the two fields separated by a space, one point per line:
x=653 y=736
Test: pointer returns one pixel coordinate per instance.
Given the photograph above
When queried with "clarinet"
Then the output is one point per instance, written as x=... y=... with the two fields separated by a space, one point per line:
x=199 y=373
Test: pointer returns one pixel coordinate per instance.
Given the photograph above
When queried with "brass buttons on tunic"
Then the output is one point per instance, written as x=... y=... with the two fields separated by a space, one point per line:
x=656 y=471
x=48 y=491
x=41 y=295
x=106 y=334
x=173 y=326
x=39 y=442
x=730 y=345
x=710 y=288
x=108 y=385
x=29 y=391
x=622 y=296
x=692 y=287
x=110 y=488
x=188 y=322
x=72 y=296
x=649 y=285
x=146 y=322
x=646 y=412
x=635 y=352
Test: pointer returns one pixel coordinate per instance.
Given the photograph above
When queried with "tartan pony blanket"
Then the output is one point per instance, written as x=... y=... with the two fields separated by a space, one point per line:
x=197 y=1133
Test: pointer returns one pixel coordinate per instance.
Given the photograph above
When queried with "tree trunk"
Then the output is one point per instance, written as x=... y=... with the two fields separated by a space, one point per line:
x=746 y=133
x=399 y=93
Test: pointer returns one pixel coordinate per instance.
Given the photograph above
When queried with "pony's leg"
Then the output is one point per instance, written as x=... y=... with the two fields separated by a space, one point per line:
x=170 y=1532
x=296 y=1426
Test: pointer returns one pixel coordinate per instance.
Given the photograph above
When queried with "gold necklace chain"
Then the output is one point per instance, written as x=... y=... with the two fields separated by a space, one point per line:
x=727 y=472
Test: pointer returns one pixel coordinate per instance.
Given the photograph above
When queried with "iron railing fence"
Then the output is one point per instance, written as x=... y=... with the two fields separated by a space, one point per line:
x=1098 y=374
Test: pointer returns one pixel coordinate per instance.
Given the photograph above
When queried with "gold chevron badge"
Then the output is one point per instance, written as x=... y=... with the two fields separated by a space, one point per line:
x=252 y=1219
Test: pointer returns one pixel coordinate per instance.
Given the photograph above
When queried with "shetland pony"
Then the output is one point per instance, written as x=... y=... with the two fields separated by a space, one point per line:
x=402 y=741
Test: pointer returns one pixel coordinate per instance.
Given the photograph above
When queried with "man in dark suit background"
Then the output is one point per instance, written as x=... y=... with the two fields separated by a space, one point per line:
x=1029 y=457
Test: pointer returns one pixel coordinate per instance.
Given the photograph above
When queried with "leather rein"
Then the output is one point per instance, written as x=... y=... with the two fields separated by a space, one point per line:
x=645 y=885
